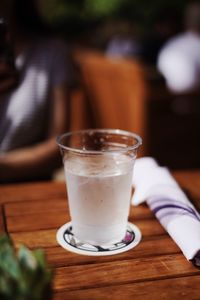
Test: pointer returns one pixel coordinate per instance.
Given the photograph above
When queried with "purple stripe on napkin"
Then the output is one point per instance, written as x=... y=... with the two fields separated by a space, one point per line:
x=167 y=209
x=176 y=207
x=155 y=210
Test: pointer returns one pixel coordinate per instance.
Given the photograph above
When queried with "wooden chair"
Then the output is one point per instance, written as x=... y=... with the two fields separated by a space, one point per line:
x=80 y=115
x=116 y=91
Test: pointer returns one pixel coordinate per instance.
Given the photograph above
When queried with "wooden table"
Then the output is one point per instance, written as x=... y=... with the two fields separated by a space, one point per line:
x=155 y=269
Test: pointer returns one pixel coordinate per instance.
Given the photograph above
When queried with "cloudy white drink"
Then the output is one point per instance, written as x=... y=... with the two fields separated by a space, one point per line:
x=99 y=192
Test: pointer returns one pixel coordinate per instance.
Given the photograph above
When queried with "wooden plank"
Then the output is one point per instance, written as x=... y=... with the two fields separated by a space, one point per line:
x=149 y=227
x=34 y=207
x=121 y=272
x=35 y=239
x=47 y=237
x=61 y=204
x=39 y=215
x=183 y=288
x=34 y=222
x=141 y=212
x=32 y=191
x=41 y=221
x=58 y=256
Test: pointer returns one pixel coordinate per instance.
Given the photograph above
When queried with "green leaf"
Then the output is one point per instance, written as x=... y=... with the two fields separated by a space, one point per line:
x=25 y=275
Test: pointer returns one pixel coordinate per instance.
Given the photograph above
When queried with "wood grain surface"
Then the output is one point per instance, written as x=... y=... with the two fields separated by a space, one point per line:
x=155 y=269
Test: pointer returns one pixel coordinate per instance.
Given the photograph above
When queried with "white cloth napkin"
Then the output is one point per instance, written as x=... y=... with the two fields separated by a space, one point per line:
x=158 y=188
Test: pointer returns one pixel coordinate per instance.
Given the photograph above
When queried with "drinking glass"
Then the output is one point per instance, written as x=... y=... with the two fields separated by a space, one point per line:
x=98 y=165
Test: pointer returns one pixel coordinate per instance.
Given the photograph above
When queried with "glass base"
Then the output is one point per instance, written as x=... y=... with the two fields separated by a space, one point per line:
x=68 y=241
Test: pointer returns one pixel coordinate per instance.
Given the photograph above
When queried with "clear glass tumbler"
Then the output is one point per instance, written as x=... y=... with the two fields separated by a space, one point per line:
x=98 y=166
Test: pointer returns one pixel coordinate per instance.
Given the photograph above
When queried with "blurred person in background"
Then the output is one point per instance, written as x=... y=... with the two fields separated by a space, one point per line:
x=123 y=41
x=179 y=59
x=34 y=91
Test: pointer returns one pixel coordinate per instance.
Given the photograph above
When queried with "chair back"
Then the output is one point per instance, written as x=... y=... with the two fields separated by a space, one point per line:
x=117 y=92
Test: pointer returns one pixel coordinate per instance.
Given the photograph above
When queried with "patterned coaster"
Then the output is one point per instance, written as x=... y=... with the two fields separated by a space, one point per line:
x=68 y=241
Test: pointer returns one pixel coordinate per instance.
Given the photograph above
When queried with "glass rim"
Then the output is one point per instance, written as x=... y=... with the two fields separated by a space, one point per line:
x=105 y=130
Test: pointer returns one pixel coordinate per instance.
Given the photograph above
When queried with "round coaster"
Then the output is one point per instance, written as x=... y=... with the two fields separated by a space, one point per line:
x=68 y=241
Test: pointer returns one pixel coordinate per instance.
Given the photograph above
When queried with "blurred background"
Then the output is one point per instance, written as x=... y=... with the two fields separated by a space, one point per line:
x=82 y=17
x=173 y=119
x=120 y=79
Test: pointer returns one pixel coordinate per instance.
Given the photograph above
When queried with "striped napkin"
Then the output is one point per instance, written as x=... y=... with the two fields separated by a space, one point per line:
x=156 y=186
